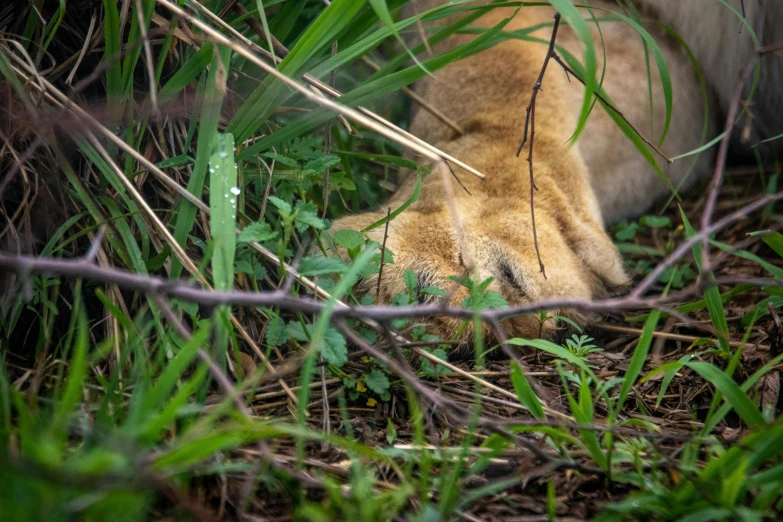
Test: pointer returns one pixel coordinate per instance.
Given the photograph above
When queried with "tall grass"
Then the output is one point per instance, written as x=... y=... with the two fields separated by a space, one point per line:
x=108 y=410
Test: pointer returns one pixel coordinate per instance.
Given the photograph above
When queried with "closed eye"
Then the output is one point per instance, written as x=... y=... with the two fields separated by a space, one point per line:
x=508 y=277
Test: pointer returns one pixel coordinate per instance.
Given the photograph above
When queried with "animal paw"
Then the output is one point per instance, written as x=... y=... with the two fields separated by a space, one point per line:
x=495 y=242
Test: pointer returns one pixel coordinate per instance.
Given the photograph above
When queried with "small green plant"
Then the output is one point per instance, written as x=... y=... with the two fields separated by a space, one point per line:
x=581 y=346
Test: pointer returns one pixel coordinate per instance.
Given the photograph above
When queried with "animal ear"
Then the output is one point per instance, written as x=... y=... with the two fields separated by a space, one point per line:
x=594 y=248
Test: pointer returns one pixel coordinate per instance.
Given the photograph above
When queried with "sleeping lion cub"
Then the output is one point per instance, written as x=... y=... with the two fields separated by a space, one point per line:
x=582 y=187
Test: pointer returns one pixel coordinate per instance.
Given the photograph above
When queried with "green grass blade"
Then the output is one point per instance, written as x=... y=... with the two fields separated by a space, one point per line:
x=155 y=424
x=701 y=148
x=371 y=91
x=773 y=239
x=711 y=294
x=773 y=138
x=77 y=372
x=408 y=202
x=663 y=70
x=746 y=387
x=272 y=93
x=637 y=361
x=738 y=399
x=111 y=54
x=573 y=17
x=525 y=393
x=265 y=25
x=223 y=195
x=207 y=128
x=186 y=73
x=776 y=271
x=175 y=369
x=382 y=10
x=629 y=132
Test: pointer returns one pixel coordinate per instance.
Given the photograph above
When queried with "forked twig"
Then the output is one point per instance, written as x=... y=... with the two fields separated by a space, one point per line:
x=530 y=123
x=720 y=163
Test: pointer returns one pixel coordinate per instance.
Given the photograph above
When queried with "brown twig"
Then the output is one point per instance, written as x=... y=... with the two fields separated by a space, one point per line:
x=635 y=300
x=383 y=255
x=456 y=413
x=530 y=123
x=720 y=164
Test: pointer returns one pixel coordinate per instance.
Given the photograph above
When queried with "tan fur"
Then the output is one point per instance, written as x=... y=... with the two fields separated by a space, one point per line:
x=601 y=179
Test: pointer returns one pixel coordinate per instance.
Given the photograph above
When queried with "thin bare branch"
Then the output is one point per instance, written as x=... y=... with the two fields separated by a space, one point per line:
x=530 y=123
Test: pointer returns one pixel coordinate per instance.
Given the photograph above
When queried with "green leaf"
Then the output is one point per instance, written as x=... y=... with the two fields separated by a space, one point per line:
x=299 y=332
x=410 y=279
x=257 y=232
x=284 y=208
x=349 y=239
x=279 y=158
x=489 y=299
x=655 y=221
x=311 y=218
x=434 y=290
x=377 y=382
x=334 y=350
x=320 y=265
x=276 y=333
x=251 y=267
x=626 y=231
x=391 y=432
x=427 y=367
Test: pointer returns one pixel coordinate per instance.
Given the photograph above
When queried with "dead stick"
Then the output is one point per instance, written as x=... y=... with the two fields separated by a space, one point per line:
x=383 y=254
x=530 y=123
